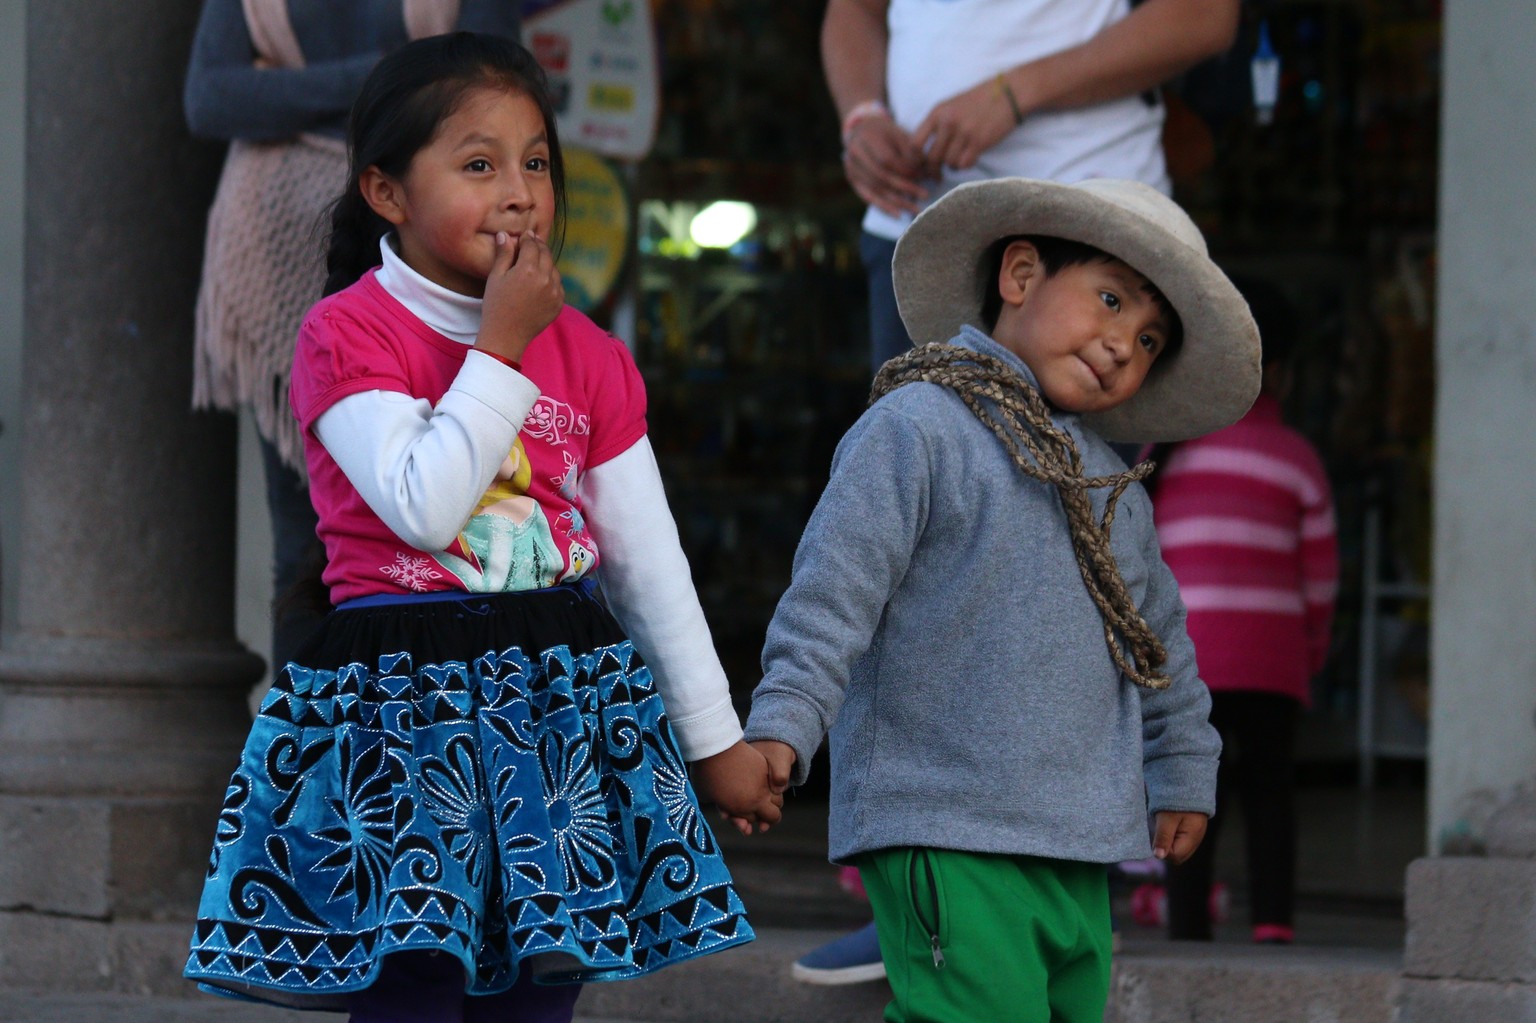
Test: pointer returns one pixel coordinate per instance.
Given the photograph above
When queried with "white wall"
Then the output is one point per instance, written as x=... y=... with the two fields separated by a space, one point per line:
x=1483 y=719
x=13 y=50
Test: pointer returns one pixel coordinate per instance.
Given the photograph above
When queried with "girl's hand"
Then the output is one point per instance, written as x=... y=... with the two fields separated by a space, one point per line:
x=736 y=780
x=1178 y=835
x=523 y=295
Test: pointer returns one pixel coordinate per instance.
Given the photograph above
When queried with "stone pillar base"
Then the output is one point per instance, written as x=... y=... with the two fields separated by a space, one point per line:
x=121 y=718
x=1466 y=1001
x=113 y=766
x=1471 y=950
x=41 y=952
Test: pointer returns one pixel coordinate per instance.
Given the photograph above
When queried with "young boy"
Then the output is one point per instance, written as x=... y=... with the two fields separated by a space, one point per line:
x=1006 y=679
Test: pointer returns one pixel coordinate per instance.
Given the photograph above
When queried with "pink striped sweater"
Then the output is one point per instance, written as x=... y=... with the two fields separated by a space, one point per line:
x=1245 y=520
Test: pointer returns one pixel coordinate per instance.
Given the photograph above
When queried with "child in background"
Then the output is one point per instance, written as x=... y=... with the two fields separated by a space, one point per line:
x=1245 y=518
x=466 y=780
x=1008 y=687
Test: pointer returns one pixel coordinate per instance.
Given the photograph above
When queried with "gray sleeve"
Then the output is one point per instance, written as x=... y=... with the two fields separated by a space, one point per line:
x=1180 y=747
x=494 y=17
x=227 y=97
x=851 y=558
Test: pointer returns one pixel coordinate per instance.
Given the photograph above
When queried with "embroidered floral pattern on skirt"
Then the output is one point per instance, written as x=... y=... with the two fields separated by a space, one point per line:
x=527 y=802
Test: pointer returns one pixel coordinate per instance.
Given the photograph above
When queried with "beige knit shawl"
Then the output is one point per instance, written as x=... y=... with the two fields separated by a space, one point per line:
x=264 y=250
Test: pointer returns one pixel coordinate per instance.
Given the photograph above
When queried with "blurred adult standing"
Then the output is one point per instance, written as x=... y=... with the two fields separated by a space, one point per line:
x=933 y=93
x=276 y=78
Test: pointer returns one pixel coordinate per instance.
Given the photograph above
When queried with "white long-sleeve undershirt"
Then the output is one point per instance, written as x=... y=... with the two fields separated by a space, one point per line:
x=650 y=590
x=406 y=459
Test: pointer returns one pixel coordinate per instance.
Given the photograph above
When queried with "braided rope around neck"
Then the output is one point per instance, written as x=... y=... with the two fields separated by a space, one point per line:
x=1014 y=410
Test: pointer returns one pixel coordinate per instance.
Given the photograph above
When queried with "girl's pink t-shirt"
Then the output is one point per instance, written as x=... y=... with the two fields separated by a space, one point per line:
x=528 y=531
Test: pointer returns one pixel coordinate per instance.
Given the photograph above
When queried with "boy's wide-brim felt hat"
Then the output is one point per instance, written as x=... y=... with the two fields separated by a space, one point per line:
x=1209 y=383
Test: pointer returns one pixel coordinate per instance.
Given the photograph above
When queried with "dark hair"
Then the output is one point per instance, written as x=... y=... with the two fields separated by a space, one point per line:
x=1056 y=254
x=1273 y=313
x=403 y=101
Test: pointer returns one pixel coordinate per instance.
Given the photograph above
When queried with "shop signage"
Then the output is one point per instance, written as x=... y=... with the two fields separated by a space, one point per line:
x=600 y=56
x=597 y=226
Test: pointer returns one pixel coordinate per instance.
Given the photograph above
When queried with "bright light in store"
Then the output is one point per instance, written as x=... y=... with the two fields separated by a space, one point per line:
x=722 y=224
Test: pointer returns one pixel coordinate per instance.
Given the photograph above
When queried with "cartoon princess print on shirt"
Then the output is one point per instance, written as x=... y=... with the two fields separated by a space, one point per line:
x=582 y=556
x=506 y=544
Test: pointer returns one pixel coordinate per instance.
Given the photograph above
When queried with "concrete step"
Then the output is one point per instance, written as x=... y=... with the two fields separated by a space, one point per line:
x=52 y=1007
x=1165 y=982
x=1154 y=981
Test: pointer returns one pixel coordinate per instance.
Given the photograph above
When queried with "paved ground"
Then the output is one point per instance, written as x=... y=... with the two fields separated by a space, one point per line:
x=1348 y=974
x=1354 y=850
x=21 y=1007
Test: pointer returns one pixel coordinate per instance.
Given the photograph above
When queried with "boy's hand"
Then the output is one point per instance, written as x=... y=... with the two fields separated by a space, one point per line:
x=781 y=761
x=736 y=781
x=1178 y=835
x=523 y=295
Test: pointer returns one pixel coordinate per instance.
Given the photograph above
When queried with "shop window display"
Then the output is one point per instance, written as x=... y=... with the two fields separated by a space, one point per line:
x=755 y=355
x=753 y=347
x=1332 y=197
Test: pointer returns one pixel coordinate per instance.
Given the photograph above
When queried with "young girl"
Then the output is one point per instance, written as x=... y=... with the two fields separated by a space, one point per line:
x=467 y=780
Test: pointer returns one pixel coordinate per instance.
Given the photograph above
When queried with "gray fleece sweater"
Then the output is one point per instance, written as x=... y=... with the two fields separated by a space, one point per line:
x=937 y=624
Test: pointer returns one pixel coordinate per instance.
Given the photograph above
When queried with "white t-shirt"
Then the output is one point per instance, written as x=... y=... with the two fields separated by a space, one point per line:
x=941 y=48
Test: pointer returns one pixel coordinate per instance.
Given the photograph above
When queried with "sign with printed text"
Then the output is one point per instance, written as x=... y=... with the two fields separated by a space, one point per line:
x=600 y=56
x=597 y=222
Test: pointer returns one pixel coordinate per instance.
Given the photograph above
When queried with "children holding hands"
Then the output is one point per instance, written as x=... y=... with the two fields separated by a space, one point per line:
x=979 y=615
x=464 y=797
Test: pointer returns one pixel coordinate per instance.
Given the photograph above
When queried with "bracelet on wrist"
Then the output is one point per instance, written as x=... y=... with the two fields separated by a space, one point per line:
x=1013 y=101
x=512 y=363
x=862 y=111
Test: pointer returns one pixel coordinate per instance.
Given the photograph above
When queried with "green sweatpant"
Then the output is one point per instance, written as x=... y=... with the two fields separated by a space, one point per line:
x=979 y=938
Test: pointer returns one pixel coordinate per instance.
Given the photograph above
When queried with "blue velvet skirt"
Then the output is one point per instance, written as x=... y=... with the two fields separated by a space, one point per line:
x=490 y=776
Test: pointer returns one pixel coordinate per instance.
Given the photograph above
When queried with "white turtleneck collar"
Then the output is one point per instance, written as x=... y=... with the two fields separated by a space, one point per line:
x=449 y=313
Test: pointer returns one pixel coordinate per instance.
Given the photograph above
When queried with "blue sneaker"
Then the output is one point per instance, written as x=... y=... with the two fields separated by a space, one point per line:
x=852 y=959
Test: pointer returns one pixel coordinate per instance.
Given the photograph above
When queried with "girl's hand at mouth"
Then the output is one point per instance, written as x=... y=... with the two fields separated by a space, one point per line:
x=523 y=295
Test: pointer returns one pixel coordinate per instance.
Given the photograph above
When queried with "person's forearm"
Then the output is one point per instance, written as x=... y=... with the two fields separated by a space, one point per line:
x=853 y=44
x=269 y=104
x=227 y=97
x=1156 y=41
x=649 y=587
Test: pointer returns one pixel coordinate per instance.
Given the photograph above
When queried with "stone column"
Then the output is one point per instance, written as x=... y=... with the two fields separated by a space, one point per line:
x=1471 y=949
x=121 y=686
x=1483 y=715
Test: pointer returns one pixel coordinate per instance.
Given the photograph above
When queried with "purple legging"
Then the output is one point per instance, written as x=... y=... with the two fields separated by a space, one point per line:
x=428 y=987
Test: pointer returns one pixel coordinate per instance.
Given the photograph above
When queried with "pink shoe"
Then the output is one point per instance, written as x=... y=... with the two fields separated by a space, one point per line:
x=1273 y=934
x=1149 y=905
x=848 y=880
